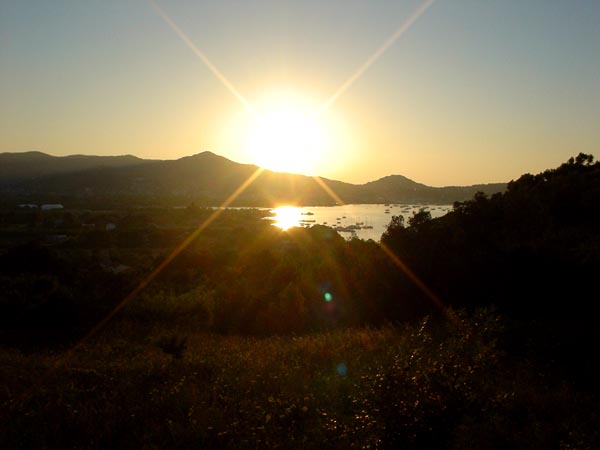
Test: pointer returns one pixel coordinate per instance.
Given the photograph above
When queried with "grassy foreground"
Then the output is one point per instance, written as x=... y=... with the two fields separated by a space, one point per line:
x=436 y=384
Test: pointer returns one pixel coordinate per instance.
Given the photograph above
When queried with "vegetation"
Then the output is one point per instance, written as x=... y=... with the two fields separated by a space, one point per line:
x=256 y=338
x=435 y=384
x=530 y=250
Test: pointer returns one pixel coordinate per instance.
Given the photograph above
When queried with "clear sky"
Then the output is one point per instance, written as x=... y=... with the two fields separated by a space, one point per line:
x=471 y=91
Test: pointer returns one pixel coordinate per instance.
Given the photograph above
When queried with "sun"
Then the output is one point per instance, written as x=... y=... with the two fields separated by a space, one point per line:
x=286 y=130
x=286 y=135
x=286 y=140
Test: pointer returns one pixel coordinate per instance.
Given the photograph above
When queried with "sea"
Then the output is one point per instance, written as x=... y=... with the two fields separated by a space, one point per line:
x=364 y=221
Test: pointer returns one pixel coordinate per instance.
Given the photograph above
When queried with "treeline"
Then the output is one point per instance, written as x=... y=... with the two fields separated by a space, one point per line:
x=533 y=251
x=51 y=298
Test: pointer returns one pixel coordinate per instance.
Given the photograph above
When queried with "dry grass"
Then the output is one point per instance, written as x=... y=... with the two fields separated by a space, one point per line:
x=442 y=385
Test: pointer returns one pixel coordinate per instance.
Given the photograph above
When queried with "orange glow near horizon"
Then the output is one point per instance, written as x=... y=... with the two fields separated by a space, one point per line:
x=286 y=132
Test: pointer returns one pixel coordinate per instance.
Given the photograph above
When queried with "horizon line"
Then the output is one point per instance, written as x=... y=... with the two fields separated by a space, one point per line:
x=254 y=165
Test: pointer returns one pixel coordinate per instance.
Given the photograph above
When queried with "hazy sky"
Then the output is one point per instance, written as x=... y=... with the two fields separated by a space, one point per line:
x=473 y=91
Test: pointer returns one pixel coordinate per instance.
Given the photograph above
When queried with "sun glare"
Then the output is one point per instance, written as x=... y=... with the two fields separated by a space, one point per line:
x=286 y=140
x=286 y=134
x=287 y=217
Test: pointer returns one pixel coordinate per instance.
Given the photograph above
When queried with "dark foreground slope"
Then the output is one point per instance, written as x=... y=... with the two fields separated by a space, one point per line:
x=430 y=385
x=257 y=338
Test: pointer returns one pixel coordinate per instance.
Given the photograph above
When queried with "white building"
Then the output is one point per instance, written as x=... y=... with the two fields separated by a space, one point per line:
x=51 y=206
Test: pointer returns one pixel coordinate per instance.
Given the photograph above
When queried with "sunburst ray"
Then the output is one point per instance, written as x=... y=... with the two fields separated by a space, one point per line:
x=200 y=54
x=375 y=56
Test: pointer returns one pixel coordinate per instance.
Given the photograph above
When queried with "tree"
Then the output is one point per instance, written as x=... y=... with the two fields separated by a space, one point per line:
x=419 y=219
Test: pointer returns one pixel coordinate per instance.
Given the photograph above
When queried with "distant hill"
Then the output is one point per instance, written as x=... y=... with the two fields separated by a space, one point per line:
x=397 y=188
x=29 y=165
x=205 y=179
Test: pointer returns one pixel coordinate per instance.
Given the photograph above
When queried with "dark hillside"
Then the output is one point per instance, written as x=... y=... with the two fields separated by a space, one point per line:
x=16 y=167
x=533 y=251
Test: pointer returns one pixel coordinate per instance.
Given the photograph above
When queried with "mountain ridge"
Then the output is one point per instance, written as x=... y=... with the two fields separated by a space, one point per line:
x=204 y=178
x=14 y=165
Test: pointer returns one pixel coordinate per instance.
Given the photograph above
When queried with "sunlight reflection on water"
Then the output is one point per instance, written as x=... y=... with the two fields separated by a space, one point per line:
x=365 y=221
x=287 y=217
